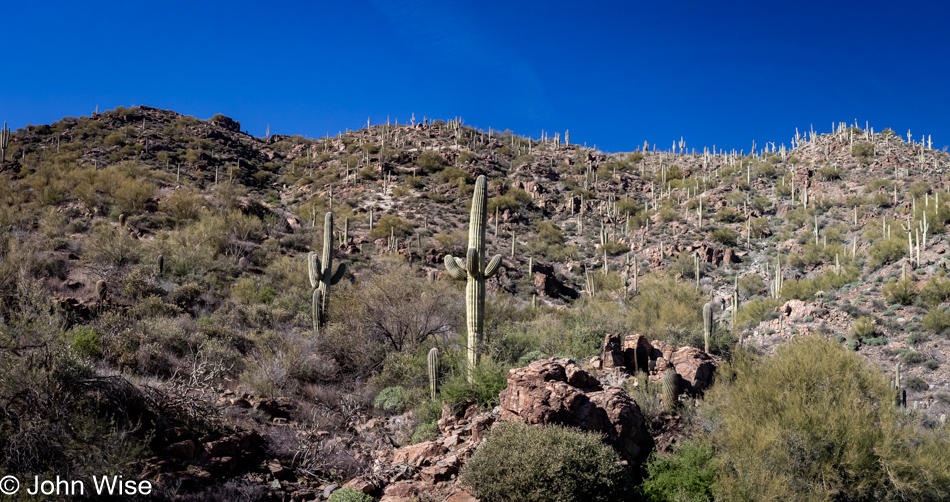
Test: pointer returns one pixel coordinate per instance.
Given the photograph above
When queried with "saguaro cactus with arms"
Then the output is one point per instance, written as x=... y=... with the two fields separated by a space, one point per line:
x=476 y=270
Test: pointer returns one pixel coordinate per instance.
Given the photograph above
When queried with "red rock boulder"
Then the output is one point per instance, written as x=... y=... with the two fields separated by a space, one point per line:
x=558 y=391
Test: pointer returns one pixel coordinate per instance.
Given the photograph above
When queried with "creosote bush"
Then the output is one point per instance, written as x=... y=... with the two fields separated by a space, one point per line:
x=523 y=463
x=831 y=432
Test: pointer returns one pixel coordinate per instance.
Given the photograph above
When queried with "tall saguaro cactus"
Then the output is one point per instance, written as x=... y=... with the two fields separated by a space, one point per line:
x=320 y=276
x=433 y=360
x=475 y=269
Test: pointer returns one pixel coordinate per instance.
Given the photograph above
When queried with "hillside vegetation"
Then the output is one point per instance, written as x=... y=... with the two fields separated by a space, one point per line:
x=155 y=288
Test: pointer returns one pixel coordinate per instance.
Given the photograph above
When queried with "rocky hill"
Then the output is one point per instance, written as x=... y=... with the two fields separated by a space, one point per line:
x=165 y=258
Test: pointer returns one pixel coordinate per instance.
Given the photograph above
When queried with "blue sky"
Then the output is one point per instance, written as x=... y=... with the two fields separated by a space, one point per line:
x=616 y=73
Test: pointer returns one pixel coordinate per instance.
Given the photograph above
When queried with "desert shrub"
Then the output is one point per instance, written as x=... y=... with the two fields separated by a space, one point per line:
x=522 y=463
x=515 y=199
x=686 y=475
x=724 y=236
x=756 y=311
x=454 y=175
x=863 y=327
x=936 y=321
x=347 y=494
x=521 y=160
x=488 y=380
x=430 y=161
x=912 y=357
x=751 y=284
x=667 y=309
x=914 y=382
x=936 y=291
x=400 y=191
x=391 y=399
x=903 y=291
x=805 y=289
x=614 y=248
x=112 y=246
x=864 y=152
x=550 y=233
x=391 y=224
x=667 y=215
x=828 y=174
x=728 y=215
x=132 y=194
x=85 y=341
x=816 y=422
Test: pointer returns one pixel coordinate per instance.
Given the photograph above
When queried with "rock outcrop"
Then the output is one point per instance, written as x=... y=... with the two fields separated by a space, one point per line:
x=558 y=391
x=632 y=353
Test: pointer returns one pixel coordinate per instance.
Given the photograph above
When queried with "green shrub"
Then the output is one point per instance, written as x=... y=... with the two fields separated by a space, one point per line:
x=916 y=383
x=936 y=321
x=816 y=422
x=391 y=399
x=523 y=159
x=347 y=494
x=728 y=215
x=724 y=236
x=864 y=152
x=614 y=248
x=86 y=341
x=453 y=175
x=667 y=309
x=912 y=357
x=756 y=311
x=886 y=251
x=876 y=341
x=936 y=291
x=903 y=291
x=828 y=174
x=488 y=380
x=427 y=431
x=430 y=161
x=391 y=224
x=686 y=475
x=863 y=327
x=515 y=199
x=522 y=463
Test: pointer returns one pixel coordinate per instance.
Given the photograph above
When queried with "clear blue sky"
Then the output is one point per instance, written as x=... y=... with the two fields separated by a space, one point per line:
x=615 y=74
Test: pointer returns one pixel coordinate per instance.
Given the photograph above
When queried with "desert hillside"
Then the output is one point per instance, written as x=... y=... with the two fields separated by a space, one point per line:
x=159 y=319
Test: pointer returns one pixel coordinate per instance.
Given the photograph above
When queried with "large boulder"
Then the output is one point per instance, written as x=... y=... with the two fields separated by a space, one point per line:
x=558 y=391
x=694 y=367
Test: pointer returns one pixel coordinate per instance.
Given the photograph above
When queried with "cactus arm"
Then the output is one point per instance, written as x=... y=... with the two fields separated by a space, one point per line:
x=452 y=266
x=493 y=266
x=340 y=270
x=313 y=267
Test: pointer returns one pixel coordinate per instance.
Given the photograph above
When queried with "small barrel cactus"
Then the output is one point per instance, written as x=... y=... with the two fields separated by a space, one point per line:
x=102 y=290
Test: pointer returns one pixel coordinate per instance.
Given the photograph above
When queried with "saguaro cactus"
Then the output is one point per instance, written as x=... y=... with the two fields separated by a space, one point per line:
x=707 y=324
x=670 y=389
x=320 y=277
x=475 y=269
x=4 y=142
x=433 y=371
